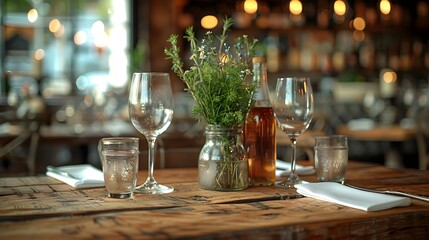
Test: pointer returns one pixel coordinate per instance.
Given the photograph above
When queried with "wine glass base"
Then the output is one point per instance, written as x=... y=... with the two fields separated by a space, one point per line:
x=290 y=183
x=120 y=195
x=286 y=184
x=154 y=189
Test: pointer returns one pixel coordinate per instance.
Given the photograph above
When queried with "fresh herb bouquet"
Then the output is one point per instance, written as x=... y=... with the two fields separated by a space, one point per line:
x=216 y=79
x=217 y=82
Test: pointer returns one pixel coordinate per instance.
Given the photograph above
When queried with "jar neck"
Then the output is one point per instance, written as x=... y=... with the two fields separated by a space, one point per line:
x=212 y=130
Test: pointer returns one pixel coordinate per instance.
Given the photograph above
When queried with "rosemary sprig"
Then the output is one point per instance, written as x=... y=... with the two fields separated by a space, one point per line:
x=216 y=78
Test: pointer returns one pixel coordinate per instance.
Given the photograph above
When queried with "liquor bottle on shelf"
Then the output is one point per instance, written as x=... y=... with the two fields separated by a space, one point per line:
x=259 y=130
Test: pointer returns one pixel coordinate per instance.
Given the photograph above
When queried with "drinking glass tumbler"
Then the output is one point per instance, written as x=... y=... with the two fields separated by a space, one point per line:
x=119 y=158
x=331 y=158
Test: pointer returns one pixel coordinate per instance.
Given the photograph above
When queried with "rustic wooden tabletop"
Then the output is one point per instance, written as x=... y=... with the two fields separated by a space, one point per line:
x=44 y=208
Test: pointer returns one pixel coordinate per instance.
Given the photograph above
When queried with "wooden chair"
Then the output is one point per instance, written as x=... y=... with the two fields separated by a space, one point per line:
x=30 y=133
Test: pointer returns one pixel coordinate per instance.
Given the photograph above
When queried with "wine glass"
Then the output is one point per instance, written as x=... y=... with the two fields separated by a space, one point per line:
x=151 y=111
x=293 y=107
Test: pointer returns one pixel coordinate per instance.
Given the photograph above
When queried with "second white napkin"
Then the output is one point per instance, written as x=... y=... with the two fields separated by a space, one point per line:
x=85 y=176
x=350 y=197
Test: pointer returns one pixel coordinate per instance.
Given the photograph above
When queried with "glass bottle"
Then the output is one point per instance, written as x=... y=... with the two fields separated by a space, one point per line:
x=259 y=130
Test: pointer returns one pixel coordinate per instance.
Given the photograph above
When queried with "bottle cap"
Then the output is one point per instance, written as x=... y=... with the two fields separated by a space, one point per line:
x=258 y=60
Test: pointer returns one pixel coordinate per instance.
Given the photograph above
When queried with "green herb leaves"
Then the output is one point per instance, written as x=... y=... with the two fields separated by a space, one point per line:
x=217 y=76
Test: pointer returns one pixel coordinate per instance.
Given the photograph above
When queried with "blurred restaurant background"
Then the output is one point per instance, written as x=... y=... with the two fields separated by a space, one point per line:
x=66 y=66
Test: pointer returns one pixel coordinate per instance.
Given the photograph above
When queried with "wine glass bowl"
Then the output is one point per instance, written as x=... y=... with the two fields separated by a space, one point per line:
x=293 y=107
x=150 y=105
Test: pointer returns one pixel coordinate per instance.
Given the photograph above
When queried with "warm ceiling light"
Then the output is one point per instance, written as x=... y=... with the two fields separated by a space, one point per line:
x=59 y=32
x=209 y=22
x=32 y=15
x=340 y=7
x=295 y=7
x=80 y=38
x=389 y=77
x=385 y=7
x=359 y=24
x=101 y=40
x=97 y=28
x=250 y=6
x=39 y=54
x=54 y=25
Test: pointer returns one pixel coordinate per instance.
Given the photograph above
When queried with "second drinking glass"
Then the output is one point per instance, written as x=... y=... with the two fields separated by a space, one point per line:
x=293 y=107
x=151 y=111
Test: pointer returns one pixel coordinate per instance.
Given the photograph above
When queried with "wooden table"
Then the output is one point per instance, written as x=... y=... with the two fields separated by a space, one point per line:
x=393 y=133
x=43 y=208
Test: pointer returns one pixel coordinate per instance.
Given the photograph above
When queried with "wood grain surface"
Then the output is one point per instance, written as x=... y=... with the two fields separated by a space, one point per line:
x=44 y=208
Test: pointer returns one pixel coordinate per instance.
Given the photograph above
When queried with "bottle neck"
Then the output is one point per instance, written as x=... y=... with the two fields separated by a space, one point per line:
x=260 y=95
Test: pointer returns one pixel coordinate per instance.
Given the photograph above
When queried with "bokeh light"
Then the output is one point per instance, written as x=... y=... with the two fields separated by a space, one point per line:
x=359 y=24
x=39 y=54
x=340 y=8
x=250 y=6
x=80 y=38
x=101 y=40
x=385 y=7
x=295 y=7
x=32 y=15
x=97 y=28
x=389 y=77
x=60 y=31
x=209 y=22
x=54 y=25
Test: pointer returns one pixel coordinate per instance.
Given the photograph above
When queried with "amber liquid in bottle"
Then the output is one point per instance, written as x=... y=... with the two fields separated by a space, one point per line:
x=259 y=131
x=260 y=143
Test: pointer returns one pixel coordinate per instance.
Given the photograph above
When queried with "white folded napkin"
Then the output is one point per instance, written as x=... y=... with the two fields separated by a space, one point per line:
x=80 y=176
x=351 y=197
x=284 y=169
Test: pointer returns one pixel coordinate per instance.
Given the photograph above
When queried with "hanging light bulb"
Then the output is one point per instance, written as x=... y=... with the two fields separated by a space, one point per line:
x=385 y=7
x=250 y=6
x=359 y=24
x=32 y=15
x=97 y=28
x=80 y=38
x=295 y=7
x=209 y=22
x=389 y=77
x=39 y=54
x=340 y=8
x=54 y=25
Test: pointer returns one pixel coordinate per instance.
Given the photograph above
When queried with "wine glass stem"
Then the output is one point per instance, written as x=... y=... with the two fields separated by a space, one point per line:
x=151 y=159
x=293 y=163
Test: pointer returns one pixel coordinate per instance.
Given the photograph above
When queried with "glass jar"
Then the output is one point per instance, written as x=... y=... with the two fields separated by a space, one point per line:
x=222 y=164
